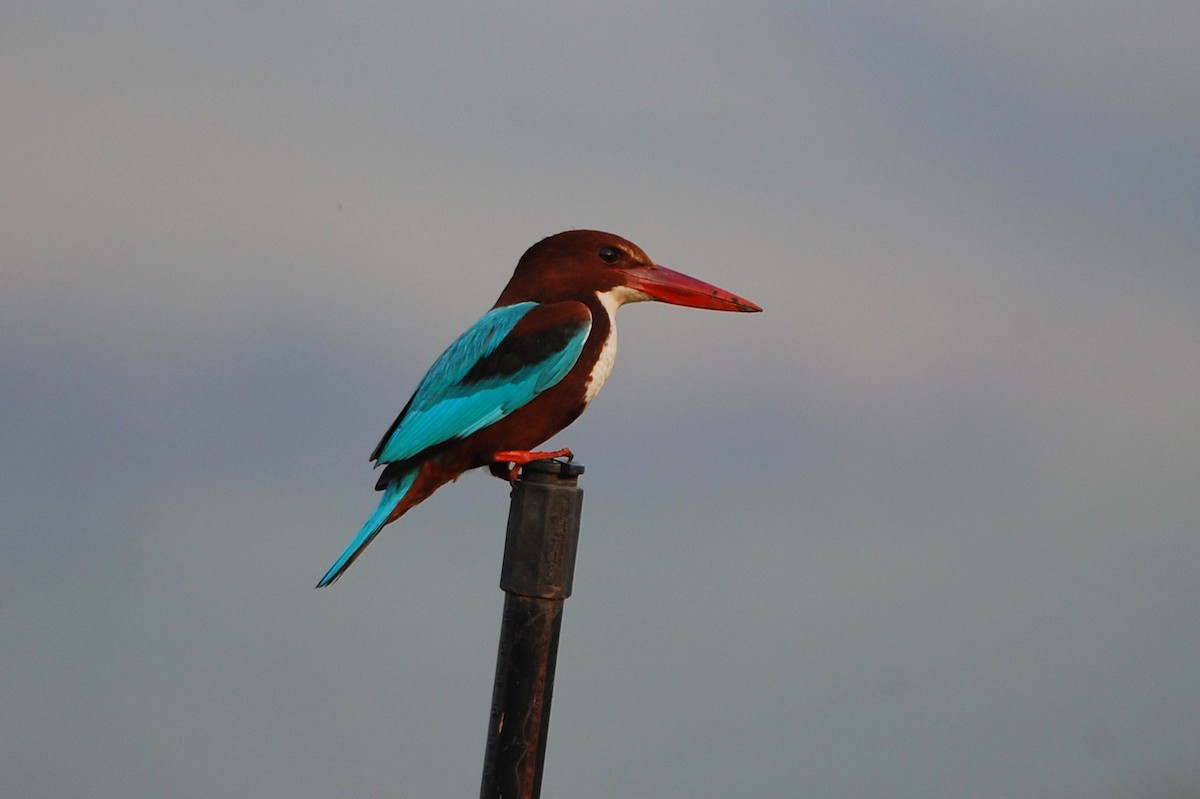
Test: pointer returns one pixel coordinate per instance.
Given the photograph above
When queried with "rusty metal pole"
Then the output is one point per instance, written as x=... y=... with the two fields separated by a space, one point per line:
x=539 y=566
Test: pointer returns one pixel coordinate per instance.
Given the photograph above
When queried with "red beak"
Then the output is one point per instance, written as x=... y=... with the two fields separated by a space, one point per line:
x=667 y=285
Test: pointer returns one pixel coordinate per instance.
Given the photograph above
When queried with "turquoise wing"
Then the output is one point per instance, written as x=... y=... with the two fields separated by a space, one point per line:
x=499 y=364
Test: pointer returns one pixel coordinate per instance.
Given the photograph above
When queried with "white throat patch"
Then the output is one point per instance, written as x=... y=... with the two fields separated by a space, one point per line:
x=611 y=300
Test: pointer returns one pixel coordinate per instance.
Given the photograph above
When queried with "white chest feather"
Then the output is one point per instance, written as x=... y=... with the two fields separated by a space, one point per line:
x=603 y=367
x=611 y=300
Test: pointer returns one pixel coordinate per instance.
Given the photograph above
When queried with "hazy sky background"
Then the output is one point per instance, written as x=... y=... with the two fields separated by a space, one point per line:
x=928 y=527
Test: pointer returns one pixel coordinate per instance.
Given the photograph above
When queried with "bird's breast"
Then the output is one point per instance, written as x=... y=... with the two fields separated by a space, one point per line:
x=603 y=366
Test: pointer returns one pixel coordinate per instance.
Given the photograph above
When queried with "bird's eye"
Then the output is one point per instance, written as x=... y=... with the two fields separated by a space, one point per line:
x=609 y=254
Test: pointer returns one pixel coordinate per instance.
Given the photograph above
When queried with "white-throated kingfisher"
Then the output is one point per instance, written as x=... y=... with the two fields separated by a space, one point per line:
x=523 y=372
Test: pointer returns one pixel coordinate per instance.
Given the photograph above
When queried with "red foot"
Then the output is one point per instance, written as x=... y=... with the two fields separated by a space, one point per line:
x=520 y=457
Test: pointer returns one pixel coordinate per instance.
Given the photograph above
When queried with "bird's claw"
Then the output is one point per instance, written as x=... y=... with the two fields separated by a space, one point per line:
x=520 y=457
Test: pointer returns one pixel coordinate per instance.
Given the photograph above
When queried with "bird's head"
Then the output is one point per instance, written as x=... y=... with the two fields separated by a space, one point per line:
x=571 y=265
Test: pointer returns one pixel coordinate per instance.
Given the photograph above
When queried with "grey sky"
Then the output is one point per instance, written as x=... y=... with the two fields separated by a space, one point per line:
x=927 y=527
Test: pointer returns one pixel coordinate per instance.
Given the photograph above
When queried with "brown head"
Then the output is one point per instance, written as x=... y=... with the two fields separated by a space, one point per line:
x=573 y=264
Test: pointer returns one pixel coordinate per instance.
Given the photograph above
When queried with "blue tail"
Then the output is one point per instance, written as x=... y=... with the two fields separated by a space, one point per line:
x=391 y=498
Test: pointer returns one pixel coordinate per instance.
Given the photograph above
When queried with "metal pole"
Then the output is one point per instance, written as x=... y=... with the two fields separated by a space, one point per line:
x=539 y=566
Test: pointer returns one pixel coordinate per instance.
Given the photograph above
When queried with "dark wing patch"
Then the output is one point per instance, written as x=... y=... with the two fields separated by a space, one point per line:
x=527 y=345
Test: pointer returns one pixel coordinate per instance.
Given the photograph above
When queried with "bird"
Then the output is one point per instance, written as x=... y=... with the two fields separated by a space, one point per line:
x=527 y=369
